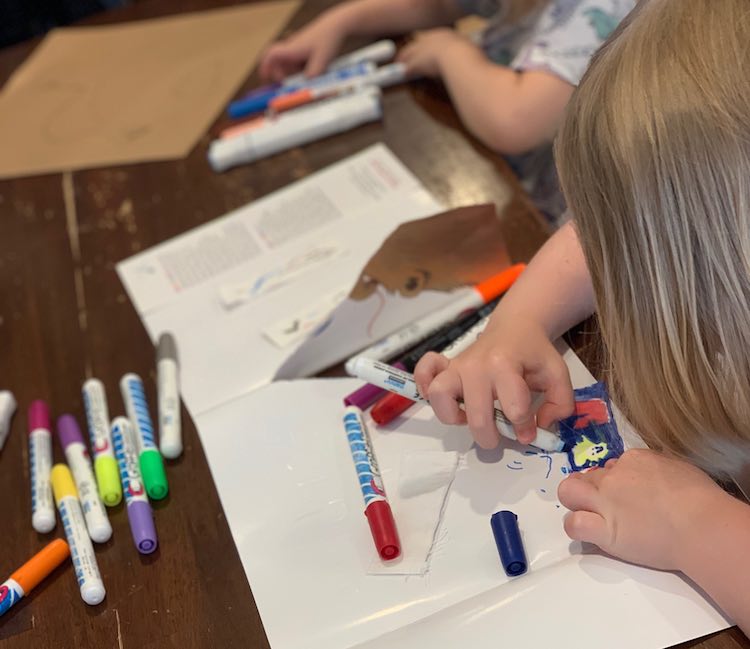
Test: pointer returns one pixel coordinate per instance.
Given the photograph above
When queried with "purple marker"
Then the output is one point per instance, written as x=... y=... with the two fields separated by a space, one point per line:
x=368 y=394
x=79 y=462
x=139 y=511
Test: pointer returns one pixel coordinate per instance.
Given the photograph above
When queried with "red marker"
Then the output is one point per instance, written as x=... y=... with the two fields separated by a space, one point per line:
x=377 y=509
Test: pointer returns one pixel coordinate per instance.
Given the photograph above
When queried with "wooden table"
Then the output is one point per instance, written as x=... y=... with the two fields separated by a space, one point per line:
x=64 y=316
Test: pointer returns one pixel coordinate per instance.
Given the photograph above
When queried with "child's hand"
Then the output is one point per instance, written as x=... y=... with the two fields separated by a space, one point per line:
x=645 y=508
x=310 y=49
x=422 y=55
x=512 y=358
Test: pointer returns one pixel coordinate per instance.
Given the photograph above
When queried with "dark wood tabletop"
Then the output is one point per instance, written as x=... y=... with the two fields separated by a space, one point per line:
x=64 y=316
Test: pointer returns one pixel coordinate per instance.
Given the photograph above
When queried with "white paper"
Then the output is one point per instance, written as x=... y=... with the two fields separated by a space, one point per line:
x=224 y=288
x=283 y=470
x=424 y=480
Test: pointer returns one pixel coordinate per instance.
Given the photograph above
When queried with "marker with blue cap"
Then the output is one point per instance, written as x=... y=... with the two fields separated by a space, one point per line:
x=508 y=541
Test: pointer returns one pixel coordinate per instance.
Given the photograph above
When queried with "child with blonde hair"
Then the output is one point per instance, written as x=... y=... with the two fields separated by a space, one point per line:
x=510 y=88
x=654 y=158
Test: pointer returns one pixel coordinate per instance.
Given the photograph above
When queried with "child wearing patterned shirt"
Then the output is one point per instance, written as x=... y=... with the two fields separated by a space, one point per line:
x=510 y=85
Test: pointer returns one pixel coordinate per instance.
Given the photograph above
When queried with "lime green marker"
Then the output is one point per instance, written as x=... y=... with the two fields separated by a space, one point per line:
x=152 y=465
x=105 y=464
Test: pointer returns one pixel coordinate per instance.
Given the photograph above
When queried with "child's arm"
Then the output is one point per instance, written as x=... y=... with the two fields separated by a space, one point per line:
x=667 y=514
x=511 y=112
x=314 y=46
x=514 y=355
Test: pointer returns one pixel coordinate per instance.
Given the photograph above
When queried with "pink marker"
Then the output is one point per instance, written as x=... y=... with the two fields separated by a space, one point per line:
x=40 y=466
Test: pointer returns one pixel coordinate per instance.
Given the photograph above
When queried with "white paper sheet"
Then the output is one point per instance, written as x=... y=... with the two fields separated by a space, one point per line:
x=283 y=470
x=224 y=289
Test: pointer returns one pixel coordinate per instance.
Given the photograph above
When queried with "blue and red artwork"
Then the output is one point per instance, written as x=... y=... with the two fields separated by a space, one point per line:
x=590 y=435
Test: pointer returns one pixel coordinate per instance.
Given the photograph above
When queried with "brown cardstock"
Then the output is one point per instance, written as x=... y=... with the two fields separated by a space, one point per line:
x=133 y=92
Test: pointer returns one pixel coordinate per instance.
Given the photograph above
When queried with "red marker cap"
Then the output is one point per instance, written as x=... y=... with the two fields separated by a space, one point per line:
x=390 y=407
x=383 y=529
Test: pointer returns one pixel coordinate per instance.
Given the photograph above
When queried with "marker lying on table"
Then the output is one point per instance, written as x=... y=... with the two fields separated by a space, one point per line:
x=394 y=380
x=40 y=463
x=297 y=127
x=383 y=77
x=81 y=551
x=377 y=509
x=377 y=52
x=409 y=335
x=168 y=397
x=140 y=516
x=392 y=405
x=28 y=576
x=78 y=460
x=259 y=102
x=369 y=394
x=7 y=409
x=105 y=465
x=149 y=458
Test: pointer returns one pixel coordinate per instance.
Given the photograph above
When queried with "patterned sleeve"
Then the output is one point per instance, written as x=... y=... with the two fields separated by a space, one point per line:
x=483 y=8
x=567 y=35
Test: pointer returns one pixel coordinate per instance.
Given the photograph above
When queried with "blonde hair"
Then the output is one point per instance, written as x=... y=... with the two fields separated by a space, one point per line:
x=654 y=159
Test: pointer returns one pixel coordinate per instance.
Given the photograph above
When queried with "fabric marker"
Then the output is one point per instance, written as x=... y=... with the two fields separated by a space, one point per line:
x=392 y=405
x=7 y=409
x=140 y=515
x=243 y=127
x=79 y=462
x=377 y=509
x=105 y=465
x=383 y=77
x=151 y=463
x=168 y=393
x=28 y=576
x=297 y=127
x=508 y=541
x=40 y=462
x=259 y=102
x=378 y=52
x=81 y=551
x=411 y=334
x=394 y=380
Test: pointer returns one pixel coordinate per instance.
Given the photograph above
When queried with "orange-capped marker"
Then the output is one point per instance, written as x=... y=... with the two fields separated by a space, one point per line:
x=28 y=576
x=496 y=285
x=412 y=333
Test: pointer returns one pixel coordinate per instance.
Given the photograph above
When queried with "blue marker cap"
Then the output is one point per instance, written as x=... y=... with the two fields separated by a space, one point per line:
x=249 y=105
x=508 y=541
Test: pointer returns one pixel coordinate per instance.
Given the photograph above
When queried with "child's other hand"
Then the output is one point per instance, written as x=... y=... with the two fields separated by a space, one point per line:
x=512 y=358
x=422 y=55
x=310 y=49
x=646 y=508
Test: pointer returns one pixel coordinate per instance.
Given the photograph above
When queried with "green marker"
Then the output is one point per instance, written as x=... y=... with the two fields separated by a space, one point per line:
x=152 y=465
x=105 y=465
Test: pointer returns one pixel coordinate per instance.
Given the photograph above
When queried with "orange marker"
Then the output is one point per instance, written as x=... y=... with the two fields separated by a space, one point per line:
x=23 y=580
x=243 y=127
x=300 y=98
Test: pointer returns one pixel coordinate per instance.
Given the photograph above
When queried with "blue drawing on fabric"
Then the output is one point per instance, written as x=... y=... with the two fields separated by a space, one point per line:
x=590 y=435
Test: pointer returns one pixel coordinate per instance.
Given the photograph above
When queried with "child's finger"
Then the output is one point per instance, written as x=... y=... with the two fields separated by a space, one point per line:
x=579 y=493
x=444 y=393
x=319 y=59
x=480 y=412
x=428 y=367
x=559 y=401
x=515 y=399
x=587 y=527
